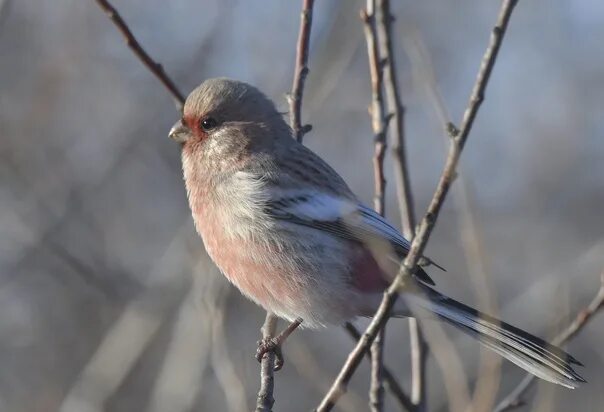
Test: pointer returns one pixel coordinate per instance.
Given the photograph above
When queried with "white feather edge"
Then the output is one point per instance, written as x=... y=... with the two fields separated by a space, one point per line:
x=326 y=207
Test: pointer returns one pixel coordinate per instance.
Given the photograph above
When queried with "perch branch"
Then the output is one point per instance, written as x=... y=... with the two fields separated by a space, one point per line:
x=265 y=399
x=396 y=113
x=458 y=140
x=403 y=188
x=376 y=110
x=391 y=383
x=378 y=124
x=265 y=395
x=300 y=72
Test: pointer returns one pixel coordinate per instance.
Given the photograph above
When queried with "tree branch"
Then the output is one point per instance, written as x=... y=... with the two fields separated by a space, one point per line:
x=426 y=226
x=376 y=110
x=378 y=124
x=396 y=112
x=265 y=399
x=300 y=72
x=391 y=383
x=153 y=66
x=514 y=399
x=265 y=395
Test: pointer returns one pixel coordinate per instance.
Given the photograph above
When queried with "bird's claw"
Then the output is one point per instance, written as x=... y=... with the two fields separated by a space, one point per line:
x=273 y=345
x=270 y=345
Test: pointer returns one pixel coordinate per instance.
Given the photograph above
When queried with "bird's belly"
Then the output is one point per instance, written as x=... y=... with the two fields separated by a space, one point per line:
x=291 y=276
x=252 y=270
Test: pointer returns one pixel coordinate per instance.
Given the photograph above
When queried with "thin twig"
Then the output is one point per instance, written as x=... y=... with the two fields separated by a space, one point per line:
x=265 y=399
x=265 y=395
x=378 y=124
x=514 y=398
x=396 y=113
x=391 y=383
x=288 y=331
x=418 y=245
x=153 y=66
x=274 y=344
x=300 y=72
x=376 y=388
x=376 y=110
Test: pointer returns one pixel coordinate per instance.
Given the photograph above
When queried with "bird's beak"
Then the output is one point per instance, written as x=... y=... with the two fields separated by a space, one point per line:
x=179 y=132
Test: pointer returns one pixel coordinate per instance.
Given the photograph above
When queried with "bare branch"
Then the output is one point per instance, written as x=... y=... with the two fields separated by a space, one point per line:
x=427 y=224
x=376 y=110
x=271 y=358
x=300 y=72
x=391 y=383
x=378 y=124
x=153 y=66
x=288 y=331
x=514 y=399
x=265 y=395
x=396 y=113
x=376 y=388
x=265 y=399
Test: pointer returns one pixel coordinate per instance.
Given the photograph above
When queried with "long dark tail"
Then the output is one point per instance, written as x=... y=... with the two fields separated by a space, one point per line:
x=531 y=353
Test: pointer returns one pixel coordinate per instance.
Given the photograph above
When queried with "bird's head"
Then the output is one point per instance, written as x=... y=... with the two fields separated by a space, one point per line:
x=226 y=118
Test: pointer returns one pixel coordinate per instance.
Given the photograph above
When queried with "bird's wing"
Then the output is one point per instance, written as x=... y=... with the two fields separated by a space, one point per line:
x=340 y=217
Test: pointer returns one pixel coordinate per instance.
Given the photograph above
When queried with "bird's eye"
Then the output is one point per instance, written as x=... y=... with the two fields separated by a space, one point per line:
x=208 y=123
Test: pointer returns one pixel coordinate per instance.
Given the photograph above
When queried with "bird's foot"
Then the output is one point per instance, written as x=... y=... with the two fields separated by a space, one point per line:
x=267 y=345
x=273 y=345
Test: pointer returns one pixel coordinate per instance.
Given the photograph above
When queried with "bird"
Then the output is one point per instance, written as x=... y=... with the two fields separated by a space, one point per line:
x=289 y=233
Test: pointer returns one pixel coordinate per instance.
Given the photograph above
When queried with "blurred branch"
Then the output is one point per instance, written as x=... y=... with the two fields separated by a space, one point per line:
x=488 y=375
x=396 y=113
x=153 y=66
x=458 y=140
x=391 y=383
x=514 y=399
x=177 y=384
x=222 y=364
x=378 y=124
x=265 y=400
x=300 y=72
x=5 y=6
x=130 y=334
x=313 y=371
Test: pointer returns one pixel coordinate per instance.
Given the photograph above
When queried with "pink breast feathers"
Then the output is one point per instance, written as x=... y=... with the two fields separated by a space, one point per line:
x=252 y=268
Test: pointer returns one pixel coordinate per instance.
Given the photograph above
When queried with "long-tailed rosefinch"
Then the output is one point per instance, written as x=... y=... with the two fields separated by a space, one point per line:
x=289 y=233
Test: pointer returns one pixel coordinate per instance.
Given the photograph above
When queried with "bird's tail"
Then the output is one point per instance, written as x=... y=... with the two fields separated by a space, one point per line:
x=531 y=353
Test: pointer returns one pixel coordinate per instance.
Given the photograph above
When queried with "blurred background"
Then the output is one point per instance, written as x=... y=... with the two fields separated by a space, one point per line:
x=107 y=298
